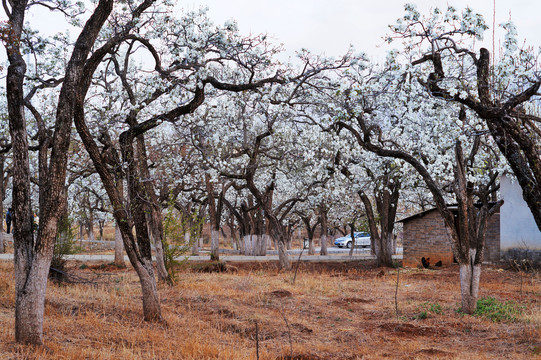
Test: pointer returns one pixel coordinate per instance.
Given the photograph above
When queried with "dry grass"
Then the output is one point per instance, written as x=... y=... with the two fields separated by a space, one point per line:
x=332 y=312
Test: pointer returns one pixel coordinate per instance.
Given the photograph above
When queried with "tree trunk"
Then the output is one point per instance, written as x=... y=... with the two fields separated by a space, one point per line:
x=310 y=232
x=262 y=245
x=139 y=251
x=214 y=217
x=101 y=225
x=187 y=238
x=214 y=245
x=90 y=229
x=138 y=207
x=151 y=301
x=242 y=249
x=288 y=241
x=33 y=257
x=234 y=238
x=81 y=231
x=156 y=231
x=30 y=302
x=323 y=240
x=2 y=192
x=119 y=248
x=384 y=250
x=469 y=285
x=249 y=244
x=282 y=254
x=195 y=245
x=323 y=236
x=386 y=203
x=352 y=234
x=154 y=215
x=311 y=247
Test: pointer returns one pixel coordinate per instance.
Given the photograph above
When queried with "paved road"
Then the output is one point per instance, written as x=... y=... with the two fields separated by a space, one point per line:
x=335 y=254
x=224 y=257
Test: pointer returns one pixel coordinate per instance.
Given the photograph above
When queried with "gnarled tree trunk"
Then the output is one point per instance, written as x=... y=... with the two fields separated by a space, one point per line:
x=282 y=254
x=119 y=248
x=324 y=229
x=2 y=192
x=33 y=256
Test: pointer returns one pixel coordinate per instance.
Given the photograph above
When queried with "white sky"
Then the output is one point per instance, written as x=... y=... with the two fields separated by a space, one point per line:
x=330 y=26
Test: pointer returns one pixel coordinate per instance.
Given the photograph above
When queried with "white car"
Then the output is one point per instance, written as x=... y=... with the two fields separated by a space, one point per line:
x=362 y=239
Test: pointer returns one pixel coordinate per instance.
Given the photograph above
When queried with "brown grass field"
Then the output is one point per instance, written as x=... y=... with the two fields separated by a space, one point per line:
x=332 y=311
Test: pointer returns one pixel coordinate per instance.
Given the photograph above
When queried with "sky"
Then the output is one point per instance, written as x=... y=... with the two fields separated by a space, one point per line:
x=330 y=26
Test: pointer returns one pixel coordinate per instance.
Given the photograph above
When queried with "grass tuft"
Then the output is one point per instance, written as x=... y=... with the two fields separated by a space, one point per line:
x=498 y=311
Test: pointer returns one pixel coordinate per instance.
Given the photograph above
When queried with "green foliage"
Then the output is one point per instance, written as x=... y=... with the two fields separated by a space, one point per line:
x=497 y=311
x=173 y=241
x=426 y=308
x=64 y=245
x=422 y=315
x=435 y=308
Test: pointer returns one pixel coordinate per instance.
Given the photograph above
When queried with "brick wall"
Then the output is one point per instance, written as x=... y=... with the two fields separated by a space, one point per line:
x=426 y=236
x=492 y=240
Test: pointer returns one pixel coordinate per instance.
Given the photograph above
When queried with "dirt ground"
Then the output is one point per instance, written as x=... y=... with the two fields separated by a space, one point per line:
x=336 y=310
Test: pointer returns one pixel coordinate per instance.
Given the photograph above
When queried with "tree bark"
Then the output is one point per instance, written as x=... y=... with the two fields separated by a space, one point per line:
x=262 y=245
x=195 y=245
x=119 y=244
x=282 y=254
x=33 y=257
x=145 y=270
x=214 y=245
x=155 y=218
x=119 y=248
x=386 y=199
x=137 y=249
x=470 y=275
x=324 y=229
x=29 y=303
x=156 y=229
x=2 y=194
x=215 y=214
x=90 y=225
x=249 y=244
x=310 y=232
x=151 y=300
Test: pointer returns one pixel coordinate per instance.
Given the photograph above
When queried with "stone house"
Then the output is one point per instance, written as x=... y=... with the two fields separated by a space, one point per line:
x=425 y=235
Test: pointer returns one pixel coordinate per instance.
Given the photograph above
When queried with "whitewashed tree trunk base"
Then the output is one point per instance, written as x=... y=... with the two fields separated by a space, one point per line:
x=469 y=286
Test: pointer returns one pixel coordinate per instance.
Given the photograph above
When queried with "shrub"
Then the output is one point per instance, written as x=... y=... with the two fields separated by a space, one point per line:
x=64 y=245
x=173 y=242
